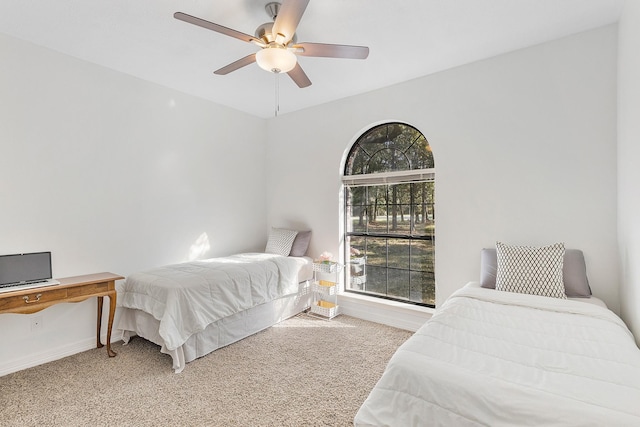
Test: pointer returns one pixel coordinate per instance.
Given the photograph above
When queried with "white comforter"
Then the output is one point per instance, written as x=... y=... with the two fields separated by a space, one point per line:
x=187 y=297
x=498 y=358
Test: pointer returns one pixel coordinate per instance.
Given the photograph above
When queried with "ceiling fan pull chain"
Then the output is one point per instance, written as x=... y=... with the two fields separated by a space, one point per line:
x=277 y=97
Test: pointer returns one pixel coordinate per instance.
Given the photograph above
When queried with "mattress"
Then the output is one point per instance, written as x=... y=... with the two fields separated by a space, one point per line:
x=305 y=268
x=498 y=358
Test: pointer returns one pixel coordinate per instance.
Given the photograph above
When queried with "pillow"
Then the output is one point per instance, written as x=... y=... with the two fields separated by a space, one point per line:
x=280 y=241
x=488 y=268
x=531 y=270
x=574 y=272
x=301 y=243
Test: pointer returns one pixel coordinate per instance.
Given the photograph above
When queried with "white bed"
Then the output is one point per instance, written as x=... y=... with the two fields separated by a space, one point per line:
x=495 y=358
x=192 y=309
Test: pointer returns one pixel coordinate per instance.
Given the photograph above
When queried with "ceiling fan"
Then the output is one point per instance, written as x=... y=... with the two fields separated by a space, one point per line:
x=277 y=42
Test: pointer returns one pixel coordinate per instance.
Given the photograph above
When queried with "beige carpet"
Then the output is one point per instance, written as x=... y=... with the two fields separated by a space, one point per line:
x=304 y=372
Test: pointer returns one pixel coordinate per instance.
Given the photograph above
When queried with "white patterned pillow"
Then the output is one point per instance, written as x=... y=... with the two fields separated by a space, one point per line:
x=531 y=270
x=280 y=241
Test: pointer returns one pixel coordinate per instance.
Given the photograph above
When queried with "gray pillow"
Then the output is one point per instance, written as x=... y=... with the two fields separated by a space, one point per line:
x=301 y=243
x=574 y=272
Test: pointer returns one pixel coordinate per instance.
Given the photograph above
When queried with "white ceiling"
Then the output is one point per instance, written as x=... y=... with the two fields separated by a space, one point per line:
x=407 y=39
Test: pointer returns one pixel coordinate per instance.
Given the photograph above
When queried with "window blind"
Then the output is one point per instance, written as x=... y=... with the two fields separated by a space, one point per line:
x=396 y=177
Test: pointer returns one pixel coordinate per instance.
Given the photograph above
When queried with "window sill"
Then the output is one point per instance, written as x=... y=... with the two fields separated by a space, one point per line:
x=392 y=313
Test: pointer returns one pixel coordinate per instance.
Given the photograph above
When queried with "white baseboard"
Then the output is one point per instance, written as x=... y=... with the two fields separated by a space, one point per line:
x=31 y=360
x=392 y=313
x=398 y=315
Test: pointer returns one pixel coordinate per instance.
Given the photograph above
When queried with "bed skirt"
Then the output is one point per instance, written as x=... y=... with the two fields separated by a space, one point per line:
x=219 y=333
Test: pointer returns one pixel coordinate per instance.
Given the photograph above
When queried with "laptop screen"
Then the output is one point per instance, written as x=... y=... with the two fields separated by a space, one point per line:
x=20 y=268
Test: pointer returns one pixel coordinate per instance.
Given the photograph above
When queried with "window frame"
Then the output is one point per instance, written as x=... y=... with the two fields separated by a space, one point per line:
x=388 y=179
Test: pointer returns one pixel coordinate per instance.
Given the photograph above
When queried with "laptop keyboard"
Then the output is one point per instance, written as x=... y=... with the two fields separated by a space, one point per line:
x=10 y=285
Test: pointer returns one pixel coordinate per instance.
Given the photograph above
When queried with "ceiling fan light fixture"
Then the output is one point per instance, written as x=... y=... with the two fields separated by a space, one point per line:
x=276 y=59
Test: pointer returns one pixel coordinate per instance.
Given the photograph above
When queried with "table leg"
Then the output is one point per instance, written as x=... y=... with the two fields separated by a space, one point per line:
x=100 y=301
x=112 y=311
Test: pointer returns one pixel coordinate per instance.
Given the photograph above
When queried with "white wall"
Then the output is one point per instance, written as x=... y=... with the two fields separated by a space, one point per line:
x=628 y=166
x=112 y=173
x=126 y=175
x=524 y=147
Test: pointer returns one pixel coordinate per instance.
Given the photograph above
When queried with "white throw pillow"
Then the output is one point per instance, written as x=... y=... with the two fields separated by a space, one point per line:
x=531 y=270
x=280 y=241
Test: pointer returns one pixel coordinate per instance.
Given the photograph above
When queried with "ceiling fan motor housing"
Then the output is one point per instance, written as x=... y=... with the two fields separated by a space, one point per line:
x=265 y=31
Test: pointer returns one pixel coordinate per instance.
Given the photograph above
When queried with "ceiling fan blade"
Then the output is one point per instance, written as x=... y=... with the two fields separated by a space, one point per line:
x=288 y=18
x=299 y=76
x=217 y=28
x=249 y=59
x=331 y=50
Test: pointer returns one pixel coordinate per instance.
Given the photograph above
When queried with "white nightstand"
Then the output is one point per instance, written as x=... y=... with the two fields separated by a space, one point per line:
x=326 y=278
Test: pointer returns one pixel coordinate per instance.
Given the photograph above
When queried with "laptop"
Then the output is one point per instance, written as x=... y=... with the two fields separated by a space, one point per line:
x=25 y=271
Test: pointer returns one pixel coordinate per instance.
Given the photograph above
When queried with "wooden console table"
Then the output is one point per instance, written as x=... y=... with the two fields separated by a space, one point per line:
x=70 y=289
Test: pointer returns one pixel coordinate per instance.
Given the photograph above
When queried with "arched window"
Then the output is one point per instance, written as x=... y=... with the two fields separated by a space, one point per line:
x=389 y=214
